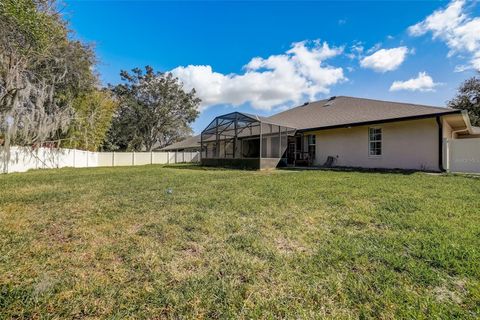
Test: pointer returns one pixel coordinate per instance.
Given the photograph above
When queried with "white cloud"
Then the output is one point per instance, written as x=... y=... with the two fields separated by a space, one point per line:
x=423 y=82
x=461 y=68
x=277 y=80
x=385 y=60
x=455 y=27
x=476 y=61
x=356 y=51
x=375 y=47
x=440 y=21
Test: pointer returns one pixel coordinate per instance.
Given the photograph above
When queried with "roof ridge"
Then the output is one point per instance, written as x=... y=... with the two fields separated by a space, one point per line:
x=360 y=98
x=395 y=102
x=298 y=106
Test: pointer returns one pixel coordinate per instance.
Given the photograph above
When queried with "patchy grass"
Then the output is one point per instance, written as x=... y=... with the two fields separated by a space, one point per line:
x=113 y=243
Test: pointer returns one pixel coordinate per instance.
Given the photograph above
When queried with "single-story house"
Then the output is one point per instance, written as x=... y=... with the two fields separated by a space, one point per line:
x=339 y=131
x=190 y=144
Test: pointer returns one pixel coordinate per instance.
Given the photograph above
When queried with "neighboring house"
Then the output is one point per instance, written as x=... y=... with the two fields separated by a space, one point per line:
x=340 y=131
x=188 y=144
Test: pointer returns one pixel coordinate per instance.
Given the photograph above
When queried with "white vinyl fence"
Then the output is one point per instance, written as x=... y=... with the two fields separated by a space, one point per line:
x=462 y=155
x=23 y=159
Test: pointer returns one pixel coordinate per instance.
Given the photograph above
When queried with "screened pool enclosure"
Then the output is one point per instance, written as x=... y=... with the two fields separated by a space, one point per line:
x=243 y=140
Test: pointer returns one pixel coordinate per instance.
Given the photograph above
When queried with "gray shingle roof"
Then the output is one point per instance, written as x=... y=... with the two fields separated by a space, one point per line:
x=188 y=143
x=262 y=118
x=340 y=111
x=350 y=111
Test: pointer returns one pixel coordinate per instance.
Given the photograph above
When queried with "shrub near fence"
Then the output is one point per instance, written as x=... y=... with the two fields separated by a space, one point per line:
x=23 y=159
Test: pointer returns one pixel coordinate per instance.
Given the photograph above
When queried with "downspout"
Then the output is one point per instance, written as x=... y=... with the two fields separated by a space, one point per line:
x=440 y=144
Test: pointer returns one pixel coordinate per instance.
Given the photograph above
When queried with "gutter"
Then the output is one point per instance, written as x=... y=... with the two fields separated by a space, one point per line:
x=365 y=123
x=466 y=118
x=456 y=131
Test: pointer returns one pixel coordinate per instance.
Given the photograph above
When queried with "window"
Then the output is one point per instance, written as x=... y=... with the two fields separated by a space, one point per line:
x=311 y=146
x=374 y=141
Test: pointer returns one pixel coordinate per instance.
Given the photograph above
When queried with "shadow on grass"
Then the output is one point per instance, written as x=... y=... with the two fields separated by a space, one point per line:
x=205 y=168
x=362 y=170
x=190 y=166
x=475 y=176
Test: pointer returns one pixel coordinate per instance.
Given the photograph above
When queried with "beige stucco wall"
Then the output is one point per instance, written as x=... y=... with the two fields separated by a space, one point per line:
x=463 y=155
x=406 y=145
x=447 y=130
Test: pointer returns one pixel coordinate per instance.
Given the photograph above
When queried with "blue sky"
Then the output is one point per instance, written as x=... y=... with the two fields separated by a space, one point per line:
x=262 y=57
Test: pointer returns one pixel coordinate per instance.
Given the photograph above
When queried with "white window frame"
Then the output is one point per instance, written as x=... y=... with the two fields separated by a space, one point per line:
x=312 y=142
x=370 y=141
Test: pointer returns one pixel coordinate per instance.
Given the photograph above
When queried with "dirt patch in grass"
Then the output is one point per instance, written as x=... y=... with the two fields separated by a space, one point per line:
x=289 y=246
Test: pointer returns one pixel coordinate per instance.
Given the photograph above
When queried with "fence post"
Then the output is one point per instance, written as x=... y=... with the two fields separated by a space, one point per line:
x=133 y=158
x=113 y=158
x=151 y=157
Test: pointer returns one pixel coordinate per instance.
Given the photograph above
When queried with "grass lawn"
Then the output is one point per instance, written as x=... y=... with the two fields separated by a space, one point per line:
x=114 y=243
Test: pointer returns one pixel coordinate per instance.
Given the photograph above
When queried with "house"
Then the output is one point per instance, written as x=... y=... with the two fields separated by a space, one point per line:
x=188 y=145
x=339 y=131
